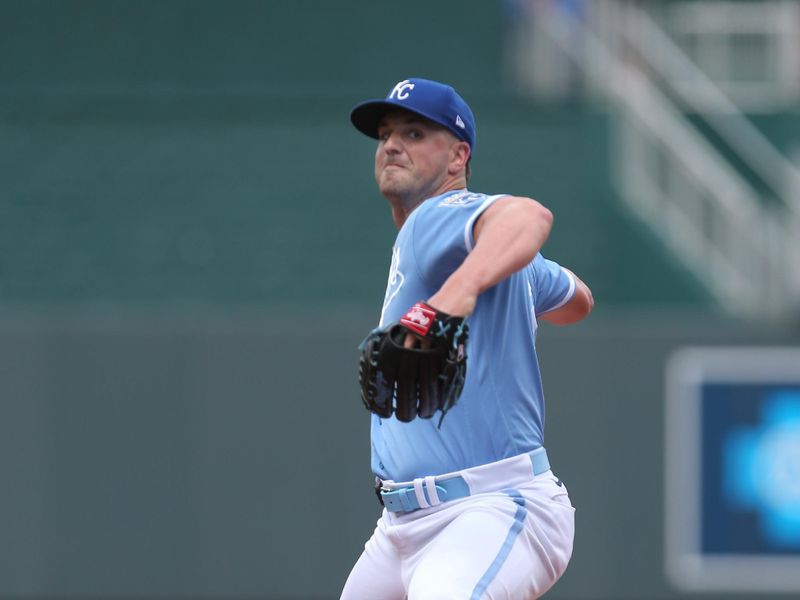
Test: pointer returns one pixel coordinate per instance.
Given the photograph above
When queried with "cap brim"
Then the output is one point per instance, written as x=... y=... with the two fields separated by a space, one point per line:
x=367 y=115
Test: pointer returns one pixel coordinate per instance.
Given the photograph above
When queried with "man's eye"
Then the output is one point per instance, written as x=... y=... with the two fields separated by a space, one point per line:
x=415 y=134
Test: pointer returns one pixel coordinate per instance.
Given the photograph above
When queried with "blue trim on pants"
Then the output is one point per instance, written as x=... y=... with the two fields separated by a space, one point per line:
x=505 y=550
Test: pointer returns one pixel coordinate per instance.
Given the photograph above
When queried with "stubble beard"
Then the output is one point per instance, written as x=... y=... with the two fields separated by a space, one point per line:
x=397 y=188
x=404 y=190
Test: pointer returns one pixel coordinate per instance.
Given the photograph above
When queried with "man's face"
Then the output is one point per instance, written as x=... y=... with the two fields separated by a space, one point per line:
x=413 y=155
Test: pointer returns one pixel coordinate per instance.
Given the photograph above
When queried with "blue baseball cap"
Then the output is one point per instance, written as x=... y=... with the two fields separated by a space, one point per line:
x=435 y=101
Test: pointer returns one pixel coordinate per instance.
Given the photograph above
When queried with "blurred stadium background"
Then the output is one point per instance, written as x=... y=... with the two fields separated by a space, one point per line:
x=191 y=246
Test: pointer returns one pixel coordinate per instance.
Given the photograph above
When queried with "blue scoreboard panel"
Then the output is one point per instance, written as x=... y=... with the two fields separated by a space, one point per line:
x=732 y=469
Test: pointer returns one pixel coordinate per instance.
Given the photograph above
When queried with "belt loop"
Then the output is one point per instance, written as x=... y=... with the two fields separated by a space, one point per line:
x=423 y=502
x=430 y=485
x=539 y=461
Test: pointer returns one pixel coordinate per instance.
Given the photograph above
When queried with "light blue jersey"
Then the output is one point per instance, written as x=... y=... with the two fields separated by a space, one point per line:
x=501 y=410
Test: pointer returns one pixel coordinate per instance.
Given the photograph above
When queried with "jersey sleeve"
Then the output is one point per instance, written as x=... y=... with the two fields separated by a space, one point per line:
x=555 y=286
x=442 y=235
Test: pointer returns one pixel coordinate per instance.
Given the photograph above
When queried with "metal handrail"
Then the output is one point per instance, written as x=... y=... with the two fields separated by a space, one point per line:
x=669 y=61
x=744 y=264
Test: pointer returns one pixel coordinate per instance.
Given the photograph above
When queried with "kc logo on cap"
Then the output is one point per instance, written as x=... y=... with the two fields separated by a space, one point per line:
x=401 y=90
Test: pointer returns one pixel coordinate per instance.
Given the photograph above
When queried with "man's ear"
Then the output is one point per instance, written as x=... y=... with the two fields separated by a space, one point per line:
x=459 y=156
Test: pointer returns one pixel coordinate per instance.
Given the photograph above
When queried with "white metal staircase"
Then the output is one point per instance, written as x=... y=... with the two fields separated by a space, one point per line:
x=743 y=243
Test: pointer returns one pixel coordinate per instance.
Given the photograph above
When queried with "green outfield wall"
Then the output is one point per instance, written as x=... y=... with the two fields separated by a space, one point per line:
x=228 y=456
x=200 y=153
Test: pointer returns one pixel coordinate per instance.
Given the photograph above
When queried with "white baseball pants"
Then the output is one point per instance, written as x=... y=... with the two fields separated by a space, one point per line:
x=509 y=544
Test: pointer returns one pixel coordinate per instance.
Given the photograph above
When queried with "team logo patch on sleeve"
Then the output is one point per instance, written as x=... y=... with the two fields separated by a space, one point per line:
x=460 y=199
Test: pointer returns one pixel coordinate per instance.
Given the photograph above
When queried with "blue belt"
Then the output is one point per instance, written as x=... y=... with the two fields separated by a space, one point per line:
x=405 y=499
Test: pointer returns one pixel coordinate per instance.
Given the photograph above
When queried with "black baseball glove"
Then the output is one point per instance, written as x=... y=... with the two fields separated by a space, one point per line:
x=411 y=382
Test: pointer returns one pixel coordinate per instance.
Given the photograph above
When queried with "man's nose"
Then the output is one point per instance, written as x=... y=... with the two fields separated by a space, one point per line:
x=391 y=144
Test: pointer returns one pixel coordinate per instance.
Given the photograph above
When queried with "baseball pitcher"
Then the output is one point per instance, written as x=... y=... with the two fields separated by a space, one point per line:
x=471 y=507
